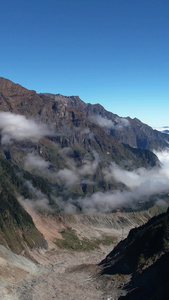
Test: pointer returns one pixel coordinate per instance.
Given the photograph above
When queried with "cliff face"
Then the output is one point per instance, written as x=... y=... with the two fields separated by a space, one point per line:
x=133 y=133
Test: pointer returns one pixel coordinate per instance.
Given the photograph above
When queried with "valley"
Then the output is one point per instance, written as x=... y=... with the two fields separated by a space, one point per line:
x=67 y=273
x=77 y=185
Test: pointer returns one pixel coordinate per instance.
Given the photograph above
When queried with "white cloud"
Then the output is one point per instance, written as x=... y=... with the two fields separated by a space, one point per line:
x=102 y=122
x=131 y=179
x=75 y=174
x=38 y=200
x=109 y=124
x=121 y=123
x=89 y=165
x=18 y=127
x=141 y=185
x=68 y=177
x=164 y=129
x=35 y=162
x=87 y=132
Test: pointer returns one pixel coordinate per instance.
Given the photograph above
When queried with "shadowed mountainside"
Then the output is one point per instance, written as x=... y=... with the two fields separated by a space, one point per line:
x=152 y=283
x=144 y=254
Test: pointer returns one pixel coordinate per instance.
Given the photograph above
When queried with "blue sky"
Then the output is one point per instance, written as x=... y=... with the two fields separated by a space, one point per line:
x=112 y=52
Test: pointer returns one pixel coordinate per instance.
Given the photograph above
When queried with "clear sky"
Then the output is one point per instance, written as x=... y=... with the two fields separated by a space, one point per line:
x=112 y=52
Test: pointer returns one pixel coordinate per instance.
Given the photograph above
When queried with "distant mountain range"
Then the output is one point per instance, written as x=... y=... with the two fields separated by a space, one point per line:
x=163 y=129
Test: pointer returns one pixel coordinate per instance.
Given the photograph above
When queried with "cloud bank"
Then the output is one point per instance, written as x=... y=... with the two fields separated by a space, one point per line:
x=141 y=185
x=19 y=128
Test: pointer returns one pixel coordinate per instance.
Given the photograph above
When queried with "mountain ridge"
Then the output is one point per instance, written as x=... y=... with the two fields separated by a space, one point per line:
x=77 y=177
x=62 y=155
x=137 y=134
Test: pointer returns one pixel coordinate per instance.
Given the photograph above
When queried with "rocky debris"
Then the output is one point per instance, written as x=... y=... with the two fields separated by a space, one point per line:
x=66 y=274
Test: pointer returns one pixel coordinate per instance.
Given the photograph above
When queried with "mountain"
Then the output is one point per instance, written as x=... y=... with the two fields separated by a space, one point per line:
x=144 y=255
x=51 y=108
x=128 y=131
x=55 y=157
x=66 y=135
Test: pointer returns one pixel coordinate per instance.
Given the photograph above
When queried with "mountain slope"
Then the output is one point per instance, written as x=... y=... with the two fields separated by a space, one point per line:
x=55 y=157
x=144 y=254
x=17 y=230
x=152 y=283
x=141 y=245
x=67 y=125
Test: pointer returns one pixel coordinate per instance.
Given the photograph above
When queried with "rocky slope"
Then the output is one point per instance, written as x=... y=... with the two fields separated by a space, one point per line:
x=128 y=131
x=143 y=255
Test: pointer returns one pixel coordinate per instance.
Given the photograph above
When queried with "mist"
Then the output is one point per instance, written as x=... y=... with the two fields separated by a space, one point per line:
x=34 y=162
x=141 y=184
x=109 y=124
x=19 y=128
x=74 y=174
x=38 y=200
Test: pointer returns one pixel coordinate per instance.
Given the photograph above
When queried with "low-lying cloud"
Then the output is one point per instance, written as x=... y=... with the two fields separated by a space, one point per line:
x=109 y=124
x=74 y=174
x=155 y=177
x=38 y=200
x=19 y=128
x=35 y=163
x=141 y=184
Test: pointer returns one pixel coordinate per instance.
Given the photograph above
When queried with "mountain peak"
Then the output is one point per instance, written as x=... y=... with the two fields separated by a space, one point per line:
x=10 y=88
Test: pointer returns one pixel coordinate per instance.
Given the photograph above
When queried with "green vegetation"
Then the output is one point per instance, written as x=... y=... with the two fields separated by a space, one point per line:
x=71 y=241
x=141 y=260
x=17 y=230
